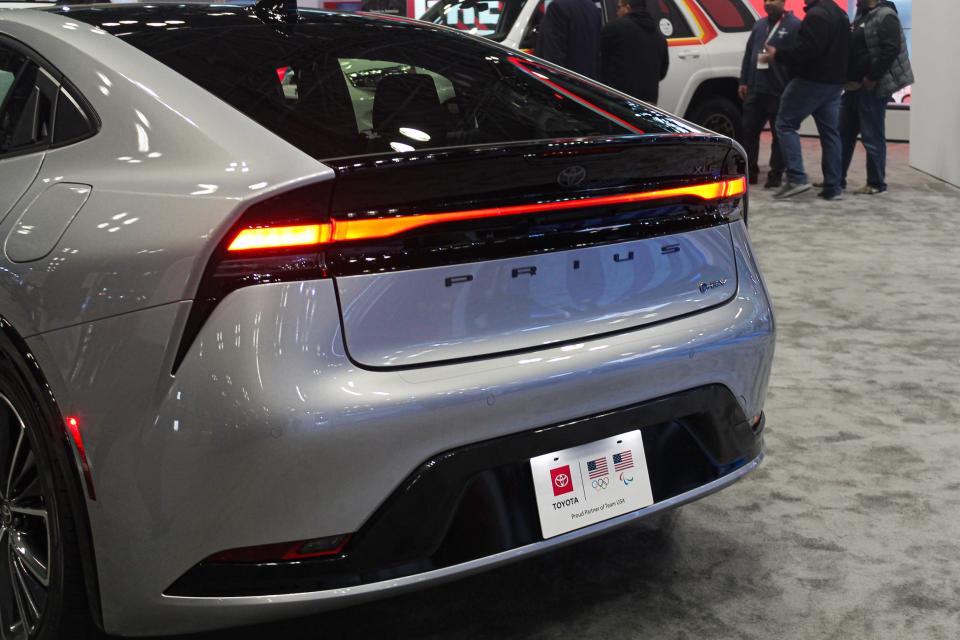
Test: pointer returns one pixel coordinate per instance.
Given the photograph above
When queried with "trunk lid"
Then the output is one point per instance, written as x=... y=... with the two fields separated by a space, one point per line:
x=575 y=259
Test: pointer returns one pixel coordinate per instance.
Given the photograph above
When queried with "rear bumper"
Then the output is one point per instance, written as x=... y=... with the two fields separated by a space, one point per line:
x=270 y=433
x=239 y=610
x=478 y=500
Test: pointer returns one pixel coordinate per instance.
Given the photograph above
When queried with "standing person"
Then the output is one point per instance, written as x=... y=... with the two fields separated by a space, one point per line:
x=818 y=62
x=762 y=84
x=879 y=67
x=570 y=36
x=634 y=56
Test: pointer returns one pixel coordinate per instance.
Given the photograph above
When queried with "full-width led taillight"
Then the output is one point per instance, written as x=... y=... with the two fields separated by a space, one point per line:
x=335 y=230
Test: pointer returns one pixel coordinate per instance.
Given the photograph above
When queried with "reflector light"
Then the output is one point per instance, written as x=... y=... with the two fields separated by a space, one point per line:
x=73 y=428
x=344 y=230
x=284 y=551
x=280 y=237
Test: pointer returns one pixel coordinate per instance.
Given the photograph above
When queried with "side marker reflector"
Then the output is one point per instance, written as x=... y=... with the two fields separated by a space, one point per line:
x=73 y=428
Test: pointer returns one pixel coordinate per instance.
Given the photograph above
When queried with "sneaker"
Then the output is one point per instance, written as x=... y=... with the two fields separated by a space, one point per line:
x=868 y=190
x=818 y=185
x=773 y=182
x=789 y=190
x=831 y=197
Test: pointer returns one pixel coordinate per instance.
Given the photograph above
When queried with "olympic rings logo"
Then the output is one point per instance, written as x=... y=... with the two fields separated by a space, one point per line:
x=601 y=483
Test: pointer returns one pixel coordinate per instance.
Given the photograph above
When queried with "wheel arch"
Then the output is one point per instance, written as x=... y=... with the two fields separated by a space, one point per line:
x=714 y=88
x=19 y=351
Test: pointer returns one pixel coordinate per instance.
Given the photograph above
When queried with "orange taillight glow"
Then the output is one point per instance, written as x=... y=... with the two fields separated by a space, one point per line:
x=280 y=237
x=345 y=230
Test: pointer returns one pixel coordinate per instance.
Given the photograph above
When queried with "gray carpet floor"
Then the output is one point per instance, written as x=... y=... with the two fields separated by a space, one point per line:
x=850 y=529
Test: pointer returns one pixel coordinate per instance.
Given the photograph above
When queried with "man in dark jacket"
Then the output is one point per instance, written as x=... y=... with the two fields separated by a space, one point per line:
x=761 y=86
x=634 y=57
x=570 y=36
x=818 y=62
x=879 y=67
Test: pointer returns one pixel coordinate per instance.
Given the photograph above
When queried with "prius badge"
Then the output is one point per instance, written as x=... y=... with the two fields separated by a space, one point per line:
x=572 y=176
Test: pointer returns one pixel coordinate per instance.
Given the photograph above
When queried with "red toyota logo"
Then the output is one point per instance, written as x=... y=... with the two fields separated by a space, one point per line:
x=561 y=480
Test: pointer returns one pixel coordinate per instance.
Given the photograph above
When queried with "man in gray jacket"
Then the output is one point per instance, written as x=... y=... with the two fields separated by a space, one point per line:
x=879 y=67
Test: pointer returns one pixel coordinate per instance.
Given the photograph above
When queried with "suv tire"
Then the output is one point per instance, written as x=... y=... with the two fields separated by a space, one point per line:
x=719 y=114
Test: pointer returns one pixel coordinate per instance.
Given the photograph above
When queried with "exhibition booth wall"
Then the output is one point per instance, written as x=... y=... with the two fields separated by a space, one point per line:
x=935 y=113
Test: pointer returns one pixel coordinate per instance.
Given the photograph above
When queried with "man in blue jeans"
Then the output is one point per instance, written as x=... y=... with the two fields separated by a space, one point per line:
x=818 y=61
x=879 y=67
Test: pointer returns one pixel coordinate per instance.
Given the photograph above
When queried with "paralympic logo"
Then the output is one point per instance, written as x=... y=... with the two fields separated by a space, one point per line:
x=626 y=480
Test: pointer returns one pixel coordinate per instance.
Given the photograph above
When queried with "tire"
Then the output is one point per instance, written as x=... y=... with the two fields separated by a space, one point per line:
x=720 y=115
x=36 y=602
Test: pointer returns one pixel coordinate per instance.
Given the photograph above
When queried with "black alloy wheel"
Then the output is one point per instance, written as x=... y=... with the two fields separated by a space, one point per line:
x=719 y=114
x=43 y=595
x=25 y=561
x=722 y=124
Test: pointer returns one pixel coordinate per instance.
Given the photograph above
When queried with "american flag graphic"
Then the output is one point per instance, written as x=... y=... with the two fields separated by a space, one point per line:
x=623 y=461
x=597 y=468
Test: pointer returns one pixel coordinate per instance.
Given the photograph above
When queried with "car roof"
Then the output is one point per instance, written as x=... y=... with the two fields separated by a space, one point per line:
x=125 y=19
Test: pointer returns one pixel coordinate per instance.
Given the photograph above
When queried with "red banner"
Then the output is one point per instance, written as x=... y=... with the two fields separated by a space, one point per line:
x=793 y=5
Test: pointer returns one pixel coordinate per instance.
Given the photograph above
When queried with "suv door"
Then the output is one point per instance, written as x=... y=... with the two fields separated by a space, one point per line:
x=688 y=58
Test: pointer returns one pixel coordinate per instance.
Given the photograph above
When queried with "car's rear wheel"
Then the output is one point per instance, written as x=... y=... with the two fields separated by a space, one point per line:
x=41 y=585
x=720 y=115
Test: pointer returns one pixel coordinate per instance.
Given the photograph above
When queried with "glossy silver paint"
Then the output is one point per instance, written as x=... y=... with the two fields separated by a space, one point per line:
x=267 y=411
x=252 y=438
x=43 y=222
x=463 y=311
x=168 y=174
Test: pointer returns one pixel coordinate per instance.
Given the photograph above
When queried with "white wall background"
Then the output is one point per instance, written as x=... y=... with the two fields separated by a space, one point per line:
x=935 y=110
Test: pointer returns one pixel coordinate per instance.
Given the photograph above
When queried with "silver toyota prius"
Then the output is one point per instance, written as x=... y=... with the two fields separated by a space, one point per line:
x=302 y=309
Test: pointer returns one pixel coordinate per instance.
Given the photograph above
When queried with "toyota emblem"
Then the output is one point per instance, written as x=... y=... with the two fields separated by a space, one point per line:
x=572 y=176
x=561 y=480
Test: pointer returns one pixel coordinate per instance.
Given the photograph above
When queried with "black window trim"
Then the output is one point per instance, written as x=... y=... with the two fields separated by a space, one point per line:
x=681 y=15
x=740 y=8
x=62 y=83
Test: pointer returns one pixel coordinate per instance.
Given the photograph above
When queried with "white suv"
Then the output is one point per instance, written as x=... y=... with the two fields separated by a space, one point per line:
x=707 y=39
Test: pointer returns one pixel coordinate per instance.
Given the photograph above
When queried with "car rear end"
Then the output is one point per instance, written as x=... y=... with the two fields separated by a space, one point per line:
x=511 y=272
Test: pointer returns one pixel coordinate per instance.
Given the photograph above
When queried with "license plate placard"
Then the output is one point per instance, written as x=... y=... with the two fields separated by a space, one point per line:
x=591 y=483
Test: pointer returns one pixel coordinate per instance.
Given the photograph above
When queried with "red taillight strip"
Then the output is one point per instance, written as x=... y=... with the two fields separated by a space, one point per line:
x=521 y=64
x=343 y=230
x=278 y=237
x=73 y=428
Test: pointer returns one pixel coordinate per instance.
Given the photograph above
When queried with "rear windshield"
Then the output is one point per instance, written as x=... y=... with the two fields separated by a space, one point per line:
x=342 y=85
